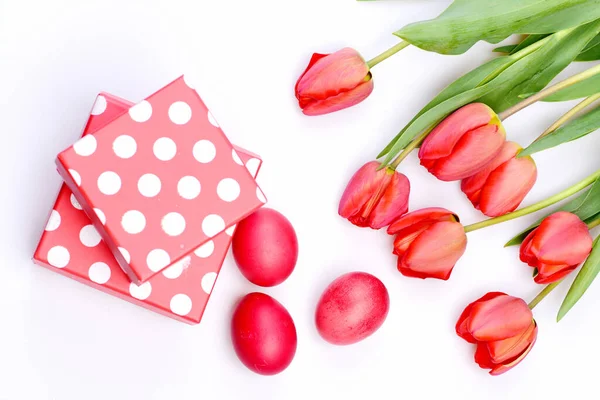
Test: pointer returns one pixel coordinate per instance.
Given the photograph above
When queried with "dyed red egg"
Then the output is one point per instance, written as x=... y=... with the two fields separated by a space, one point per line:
x=265 y=247
x=352 y=308
x=263 y=334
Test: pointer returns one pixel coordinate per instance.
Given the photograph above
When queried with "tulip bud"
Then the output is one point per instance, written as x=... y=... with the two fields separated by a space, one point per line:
x=429 y=242
x=502 y=184
x=503 y=329
x=463 y=143
x=332 y=82
x=375 y=198
x=557 y=246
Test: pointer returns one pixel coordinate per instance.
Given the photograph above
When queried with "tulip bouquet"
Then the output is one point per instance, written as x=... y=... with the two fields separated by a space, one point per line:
x=460 y=137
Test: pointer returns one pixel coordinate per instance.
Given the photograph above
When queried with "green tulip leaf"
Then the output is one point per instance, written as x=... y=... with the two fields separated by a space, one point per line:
x=573 y=130
x=508 y=49
x=579 y=90
x=465 y=22
x=467 y=82
x=546 y=67
x=582 y=281
x=585 y=206
x=591 y=51
x=499 y=82
x=528 y=41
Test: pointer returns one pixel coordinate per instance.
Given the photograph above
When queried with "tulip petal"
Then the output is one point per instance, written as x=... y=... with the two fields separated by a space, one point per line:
x=525 y=253
x=393 y=204
x=442 y=139
x=422 y=217
x=472 y=152
x=472 y=185
x=375 y=198
x=362 y=186
x=562 y=238
x=503 y=350
x=499 y=318
x=434 y=252
x=507 y=366
x=548 y=273
x=403 y=242
x=313 y=60
x=507 y=186
x=333 y=82
x=461 y=324
x=482 y=357
x=339 y=101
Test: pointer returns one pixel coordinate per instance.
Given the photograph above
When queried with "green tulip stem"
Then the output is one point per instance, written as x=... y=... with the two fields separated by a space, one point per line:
x=550 y=90
x=541 y=295
x=537 y=206
x=593 y=223
x=572 y=113
x=411 y=146
x=386 y=54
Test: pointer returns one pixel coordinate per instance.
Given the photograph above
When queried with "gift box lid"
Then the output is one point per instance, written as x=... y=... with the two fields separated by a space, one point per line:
x=159 y=181
x=70 y=246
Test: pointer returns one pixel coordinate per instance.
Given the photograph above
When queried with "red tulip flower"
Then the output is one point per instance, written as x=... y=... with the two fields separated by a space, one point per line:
x=429 y=242
x=463 y=143
x=502 y=184
x=332 y=82
x=503 y=329
x=375 y=198
x=557 y=246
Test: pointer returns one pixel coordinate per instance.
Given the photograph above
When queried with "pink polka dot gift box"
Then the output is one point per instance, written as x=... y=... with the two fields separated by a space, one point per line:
x=71 y=246
x=159 y=181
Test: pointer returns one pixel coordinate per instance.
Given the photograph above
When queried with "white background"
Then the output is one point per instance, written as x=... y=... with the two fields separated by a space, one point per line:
x=62 y=340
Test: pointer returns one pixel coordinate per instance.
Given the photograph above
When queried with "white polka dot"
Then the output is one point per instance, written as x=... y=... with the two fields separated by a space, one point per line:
x=252 y=166
x=99 y=105
x=175 y=270
x=75 y=203
x=212 y=120
x=76 y=177
x=188 y=81
x=236 y=157
x=141 y=112
x=205 y=250
x=173 y=224
x=212 y=225
x=208 y=281
x=124 y=146
x=230 y=230
x=204 y=151
x=188 y=187
x=99 y=272
x=181 y=304
x=157 y=259
x=89 y=236
x=133 y=222
x=260 y=195
x=86 y=146
x=100 y=215
x=125 y=254
x=164 y=149
x=58 y=257
x=149 y=185
x=180 y=113
x=109 y=183
x=53 y=222
x=141 y=292
x=228 y=189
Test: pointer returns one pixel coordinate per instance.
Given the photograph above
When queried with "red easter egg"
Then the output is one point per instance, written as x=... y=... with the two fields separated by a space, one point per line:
x=352 y=308
x=265 y=247
x=263 y=334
